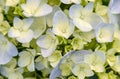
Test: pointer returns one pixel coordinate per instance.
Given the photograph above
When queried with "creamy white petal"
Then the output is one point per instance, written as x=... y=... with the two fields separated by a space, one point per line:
x=43 y=10
x=13 y=32
x=74 y=11
x=82 y=25
x=33 y=4
x=25 y=37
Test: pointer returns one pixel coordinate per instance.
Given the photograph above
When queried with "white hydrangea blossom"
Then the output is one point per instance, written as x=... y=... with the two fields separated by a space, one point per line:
x=62 y=26
x=47 y=43
x=21 y=31
x=38 y=8
x=104 y=32
x=84 y=18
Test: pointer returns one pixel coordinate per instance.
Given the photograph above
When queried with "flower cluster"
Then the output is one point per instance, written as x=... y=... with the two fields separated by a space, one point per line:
x=59 y=39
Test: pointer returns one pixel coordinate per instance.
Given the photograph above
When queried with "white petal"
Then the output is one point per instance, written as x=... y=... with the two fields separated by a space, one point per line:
x=17 y=22
x=25 y=37
x=115 y=6
x=13 y=32
x=12 y=50
x=93 y=19
x=82 y=25
x=43 y=10
x=48 y=52
x=4 y=57
x=24 y=59
x=38 y=26
x=89 y=8
x=66 y=1
x=44 y=41
x=74 y=11
x=27 y=23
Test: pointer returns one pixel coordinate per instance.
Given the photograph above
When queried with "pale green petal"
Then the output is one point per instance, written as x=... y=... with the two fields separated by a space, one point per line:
x=26 y=36
x=16 y=75
x=24 y=59
x=82 y=25
x=35 y=4
x=74 y=11
x=43 y=10
x=38 y=26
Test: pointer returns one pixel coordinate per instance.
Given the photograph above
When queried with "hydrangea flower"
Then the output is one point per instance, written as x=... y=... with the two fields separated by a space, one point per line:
x=96 y=61
x=47 y=43
x=7 y=50
x=71 y=1
x=62 y=26
x=12 y=3
x=104 y=32
x=26 y=59
x=21 y=31
x=82 y=70
x=84 y=18
x=38 y=8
